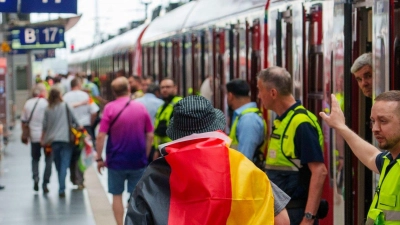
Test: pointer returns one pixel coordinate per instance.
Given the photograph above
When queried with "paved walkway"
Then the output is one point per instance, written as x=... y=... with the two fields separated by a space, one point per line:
x=21 y=205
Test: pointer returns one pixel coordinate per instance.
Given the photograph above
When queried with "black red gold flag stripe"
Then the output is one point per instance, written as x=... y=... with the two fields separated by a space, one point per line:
x=201 y=181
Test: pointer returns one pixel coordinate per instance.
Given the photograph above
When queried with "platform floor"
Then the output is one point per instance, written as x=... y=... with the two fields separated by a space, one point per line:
x=21 y=205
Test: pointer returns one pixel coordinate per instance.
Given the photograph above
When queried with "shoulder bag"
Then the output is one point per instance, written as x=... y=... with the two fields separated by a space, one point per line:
x=26 y=134
x=71 y=129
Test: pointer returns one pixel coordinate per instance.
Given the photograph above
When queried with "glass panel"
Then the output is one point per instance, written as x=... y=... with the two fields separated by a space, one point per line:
x=380 y=67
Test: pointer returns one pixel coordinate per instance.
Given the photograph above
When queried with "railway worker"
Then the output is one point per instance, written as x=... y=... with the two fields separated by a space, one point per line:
x=32 y=114
x=295 y=161
x=196 y=127
x=385 y=120
x=362 y=70
x=130 y=136
x=164 y=113
x=248 y=128
x=136 y=86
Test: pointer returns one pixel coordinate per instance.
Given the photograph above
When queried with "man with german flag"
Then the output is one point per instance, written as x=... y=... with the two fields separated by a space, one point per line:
x=200 y=180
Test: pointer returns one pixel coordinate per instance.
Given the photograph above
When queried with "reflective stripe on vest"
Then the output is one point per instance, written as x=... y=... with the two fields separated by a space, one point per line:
x=164 y=115
x=281 y=150
x=232 y=134
x=387 y=195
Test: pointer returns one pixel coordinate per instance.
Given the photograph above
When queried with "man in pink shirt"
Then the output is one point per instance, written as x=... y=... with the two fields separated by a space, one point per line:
x=130 y=136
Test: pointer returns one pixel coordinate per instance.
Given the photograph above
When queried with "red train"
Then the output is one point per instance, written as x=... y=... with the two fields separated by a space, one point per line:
x=316 y=41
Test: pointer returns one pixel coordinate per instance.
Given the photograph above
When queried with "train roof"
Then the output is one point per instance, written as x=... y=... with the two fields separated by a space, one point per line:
x=210 y=10
x=118 y=44
x=168 y=24
x=79 y=57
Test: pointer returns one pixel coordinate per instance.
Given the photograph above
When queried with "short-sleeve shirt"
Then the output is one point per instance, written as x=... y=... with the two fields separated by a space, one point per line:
x=36 y=122
x=126 y=144
x=249 y=130
x=281 y=199
x=307 y=149
x=379 y=160
x=82 y=113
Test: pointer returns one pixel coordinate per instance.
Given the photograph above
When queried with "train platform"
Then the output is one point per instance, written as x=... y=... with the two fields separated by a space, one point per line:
x=21 y=205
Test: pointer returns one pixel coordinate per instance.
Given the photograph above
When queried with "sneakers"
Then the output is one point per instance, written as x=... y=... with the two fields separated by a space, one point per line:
x=61 y=195
x=81 y=186
x=36 y=186
x=45 y=189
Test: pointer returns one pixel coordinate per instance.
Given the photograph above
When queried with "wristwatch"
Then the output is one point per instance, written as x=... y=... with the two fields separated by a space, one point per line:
x=99 y=160
x=309 y=216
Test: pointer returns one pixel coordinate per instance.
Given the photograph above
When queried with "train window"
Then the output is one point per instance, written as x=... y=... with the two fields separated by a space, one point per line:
x=196 y=54
x=157 y=59
x=187 y=75
x=396 y=61
x=380 y=67
x=395 y=79
x=279 y=40
x=203 y=56
x=176 y=64
x=255 y=65
x=168 y=59
x=241 y=66
x=126 y=62
x=232 y=51
x=287 y=18
x=314 y=92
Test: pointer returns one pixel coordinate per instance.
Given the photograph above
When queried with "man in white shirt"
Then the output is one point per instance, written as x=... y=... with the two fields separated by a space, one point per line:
x=33 y=113
x=85 y=111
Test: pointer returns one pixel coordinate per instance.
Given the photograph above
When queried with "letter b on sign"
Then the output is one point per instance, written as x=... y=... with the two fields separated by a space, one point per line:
x=30 y=36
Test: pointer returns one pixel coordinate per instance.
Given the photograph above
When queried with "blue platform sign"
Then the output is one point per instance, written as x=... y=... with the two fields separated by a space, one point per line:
x=8 y=5
x=48 y=6
x=37 y=37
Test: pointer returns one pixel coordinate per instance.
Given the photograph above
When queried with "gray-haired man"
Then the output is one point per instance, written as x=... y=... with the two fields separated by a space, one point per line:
x=362 y=70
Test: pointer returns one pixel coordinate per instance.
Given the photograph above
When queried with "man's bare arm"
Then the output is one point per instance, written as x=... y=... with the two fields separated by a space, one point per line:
x=318 y=175
x=364 y=151
x=99 y=149
x=282 y=218
x=149 y=142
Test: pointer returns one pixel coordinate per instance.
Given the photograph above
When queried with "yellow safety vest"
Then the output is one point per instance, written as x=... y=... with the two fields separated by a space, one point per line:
x=164 y=115
x=89 y=87
x=232 y=134
x=259 y=153
x=281 y=150
x=385 y=208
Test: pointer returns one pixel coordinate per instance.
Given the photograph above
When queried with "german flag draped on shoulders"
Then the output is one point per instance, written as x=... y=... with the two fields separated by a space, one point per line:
x=200 y=180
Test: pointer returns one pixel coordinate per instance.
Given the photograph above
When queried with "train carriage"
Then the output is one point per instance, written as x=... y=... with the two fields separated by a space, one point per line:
x=316 y=41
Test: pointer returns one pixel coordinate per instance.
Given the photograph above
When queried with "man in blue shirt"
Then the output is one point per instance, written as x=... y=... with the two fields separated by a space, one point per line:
x=247 y=126
x=151 y=101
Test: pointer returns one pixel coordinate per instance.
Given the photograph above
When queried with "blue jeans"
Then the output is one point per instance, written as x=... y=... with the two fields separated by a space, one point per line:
x=62 y=152
x=116 y=180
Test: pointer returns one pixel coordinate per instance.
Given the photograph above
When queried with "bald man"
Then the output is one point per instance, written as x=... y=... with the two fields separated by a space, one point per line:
x=130 y=135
